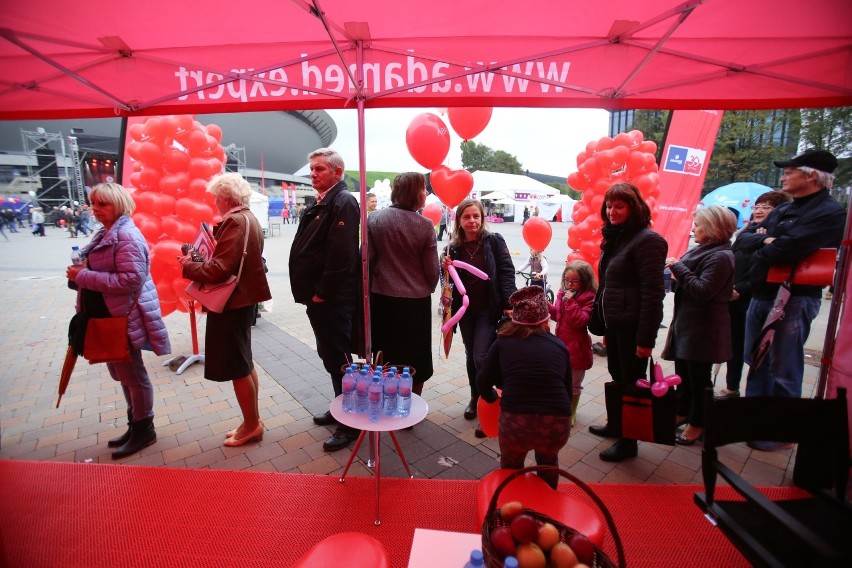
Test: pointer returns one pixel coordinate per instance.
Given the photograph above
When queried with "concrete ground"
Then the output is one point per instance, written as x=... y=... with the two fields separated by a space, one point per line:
x=193 y=414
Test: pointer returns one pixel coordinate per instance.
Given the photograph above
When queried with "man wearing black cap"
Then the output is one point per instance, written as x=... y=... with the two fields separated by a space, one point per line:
x=793 y=231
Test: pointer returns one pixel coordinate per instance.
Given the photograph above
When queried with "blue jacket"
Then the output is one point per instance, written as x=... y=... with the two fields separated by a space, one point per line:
x=800 y=228
x=119 y=267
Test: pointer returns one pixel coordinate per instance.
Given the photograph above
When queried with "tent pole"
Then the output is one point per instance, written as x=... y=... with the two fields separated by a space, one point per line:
x=362 y=169
x=837 y=301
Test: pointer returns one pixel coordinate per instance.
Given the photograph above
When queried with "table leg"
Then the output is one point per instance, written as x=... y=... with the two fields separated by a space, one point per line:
x=401 y=456
x=352 y=456
x=370 y=461
x=374 y=437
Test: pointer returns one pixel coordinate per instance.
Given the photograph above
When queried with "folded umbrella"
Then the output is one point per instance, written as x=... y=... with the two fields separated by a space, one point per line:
x=65 y=374
x=446 y=304
x=763 y=343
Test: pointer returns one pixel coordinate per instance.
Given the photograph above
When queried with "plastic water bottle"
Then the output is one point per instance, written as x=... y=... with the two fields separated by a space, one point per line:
x=76 y=257
x=349 y=390
x=361 y=391
x=375 y=398
x=476 y=559
x=390 y=389
x=403 y=397
x=510 y=562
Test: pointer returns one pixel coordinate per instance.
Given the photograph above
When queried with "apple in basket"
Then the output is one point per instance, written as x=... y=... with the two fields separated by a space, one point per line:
x=582 y=547
x=511 y=510
x=529 y=555
x=561 y=556
x=502 y=541
x=524 y=528
x=548 y=536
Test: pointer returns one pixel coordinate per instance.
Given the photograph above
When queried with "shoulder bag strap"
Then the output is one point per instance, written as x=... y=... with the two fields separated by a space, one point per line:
x=134 y=304
x=245 y=248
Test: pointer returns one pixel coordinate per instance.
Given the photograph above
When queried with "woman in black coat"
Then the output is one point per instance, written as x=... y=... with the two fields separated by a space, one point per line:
x=700 y=332
x=630 y=296
x=489 y=299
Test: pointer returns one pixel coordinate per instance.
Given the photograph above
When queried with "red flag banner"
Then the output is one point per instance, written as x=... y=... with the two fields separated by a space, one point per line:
x=686 y=156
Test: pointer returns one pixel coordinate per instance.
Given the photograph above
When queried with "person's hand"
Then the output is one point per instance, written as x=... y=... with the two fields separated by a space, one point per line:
x=184 y=259
x=537 y=275
x=517 y=272
x=446 y=261
x=643 y=352
x=760 y=231
x=317 y=300
x=671 y=260
x=72 y=271
x=768 y=240
x=735 y=295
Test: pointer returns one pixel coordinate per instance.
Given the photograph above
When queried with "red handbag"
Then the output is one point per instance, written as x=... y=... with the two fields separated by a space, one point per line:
x=814 y=270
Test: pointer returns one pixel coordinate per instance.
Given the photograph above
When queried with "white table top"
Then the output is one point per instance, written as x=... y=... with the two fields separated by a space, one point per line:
x=419 y=409
x=432 y=548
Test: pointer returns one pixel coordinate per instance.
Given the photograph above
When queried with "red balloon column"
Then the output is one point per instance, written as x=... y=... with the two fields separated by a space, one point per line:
x=174 y=158
x=627 y=157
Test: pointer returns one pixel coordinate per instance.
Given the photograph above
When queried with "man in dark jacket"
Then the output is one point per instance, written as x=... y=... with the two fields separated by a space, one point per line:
x=793 y=231
x=324 y=263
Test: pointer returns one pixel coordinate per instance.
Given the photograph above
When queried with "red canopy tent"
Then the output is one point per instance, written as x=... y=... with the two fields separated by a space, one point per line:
x=103 y=58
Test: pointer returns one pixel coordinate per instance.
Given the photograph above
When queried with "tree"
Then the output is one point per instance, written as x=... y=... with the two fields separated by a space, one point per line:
x=830 y=129
x=476 y=157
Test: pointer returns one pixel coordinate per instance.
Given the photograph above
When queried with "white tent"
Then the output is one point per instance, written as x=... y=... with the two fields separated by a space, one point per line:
x=521 y=188
x=548 y=206
x=259 y=205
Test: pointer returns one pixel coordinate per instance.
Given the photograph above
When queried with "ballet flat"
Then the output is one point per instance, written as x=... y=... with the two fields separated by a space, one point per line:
x=232 y=433
x=255 y=436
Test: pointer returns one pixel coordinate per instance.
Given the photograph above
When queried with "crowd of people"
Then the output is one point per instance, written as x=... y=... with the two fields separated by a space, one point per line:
x=721 y=299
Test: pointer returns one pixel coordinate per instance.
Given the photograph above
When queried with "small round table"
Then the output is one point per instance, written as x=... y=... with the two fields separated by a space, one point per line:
x=362 y=422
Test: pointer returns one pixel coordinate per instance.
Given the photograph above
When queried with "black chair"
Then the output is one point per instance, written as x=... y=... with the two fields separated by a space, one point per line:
x=812 y=531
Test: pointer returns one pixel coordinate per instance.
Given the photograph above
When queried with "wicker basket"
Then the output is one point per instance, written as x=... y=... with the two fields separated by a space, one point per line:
x=493 y=520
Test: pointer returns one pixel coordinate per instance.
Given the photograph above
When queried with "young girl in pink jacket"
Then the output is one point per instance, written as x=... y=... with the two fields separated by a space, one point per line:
x=571 y=313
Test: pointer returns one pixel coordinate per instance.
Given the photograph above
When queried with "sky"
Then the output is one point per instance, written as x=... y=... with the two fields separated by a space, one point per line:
x=544 y=140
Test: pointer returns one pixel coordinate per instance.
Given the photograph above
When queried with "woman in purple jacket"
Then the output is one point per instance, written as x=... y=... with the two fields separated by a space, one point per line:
x=115 y=274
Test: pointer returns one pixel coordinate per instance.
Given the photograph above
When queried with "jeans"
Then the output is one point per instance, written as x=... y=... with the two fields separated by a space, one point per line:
x=695 y=377
x=332 y=325
x=136 y=385
x=478 y=331
x=781 y=372
x=734 y=372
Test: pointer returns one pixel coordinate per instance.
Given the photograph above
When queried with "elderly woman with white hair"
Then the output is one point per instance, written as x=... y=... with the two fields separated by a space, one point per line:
x=114 y=280
x=227 y=341
x=700 y=332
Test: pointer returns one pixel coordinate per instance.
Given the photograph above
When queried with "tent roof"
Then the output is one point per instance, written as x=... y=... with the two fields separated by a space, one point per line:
x=485 y=182
x=107 y=58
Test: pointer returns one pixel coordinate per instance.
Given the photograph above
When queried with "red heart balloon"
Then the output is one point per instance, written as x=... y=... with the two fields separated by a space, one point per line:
x=428 y=140
x=469 y=121
x=451 y=186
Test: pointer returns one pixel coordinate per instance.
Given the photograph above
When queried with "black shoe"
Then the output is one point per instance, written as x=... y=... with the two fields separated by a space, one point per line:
x=479 y=432
x=340 y=439
x=620 y=451
x=602 y=431
x=121 y=440
x=324 y=419
x=470 y=410
x=142 y=435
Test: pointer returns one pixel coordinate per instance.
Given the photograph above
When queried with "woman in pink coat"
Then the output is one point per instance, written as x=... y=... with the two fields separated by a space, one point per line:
x=572 y=312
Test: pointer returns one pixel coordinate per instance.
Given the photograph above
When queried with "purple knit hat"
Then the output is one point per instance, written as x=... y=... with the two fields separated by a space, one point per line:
x=529 y=307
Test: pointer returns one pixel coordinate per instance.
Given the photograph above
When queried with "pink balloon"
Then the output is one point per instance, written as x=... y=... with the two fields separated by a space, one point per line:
x=428 y=140
x=660 y=388
x=448 y=325
x=470 y=268
x=433 y=213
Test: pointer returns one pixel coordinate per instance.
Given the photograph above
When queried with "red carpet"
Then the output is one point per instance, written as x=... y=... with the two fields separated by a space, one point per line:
x=85 y=515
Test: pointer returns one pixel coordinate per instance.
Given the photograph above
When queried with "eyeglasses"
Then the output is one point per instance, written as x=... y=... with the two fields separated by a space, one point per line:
x=762 y=208
x=570 y=280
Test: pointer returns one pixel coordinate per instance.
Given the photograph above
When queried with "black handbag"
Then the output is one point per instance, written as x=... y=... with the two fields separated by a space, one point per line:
x=636 y=413
x=596 y=322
